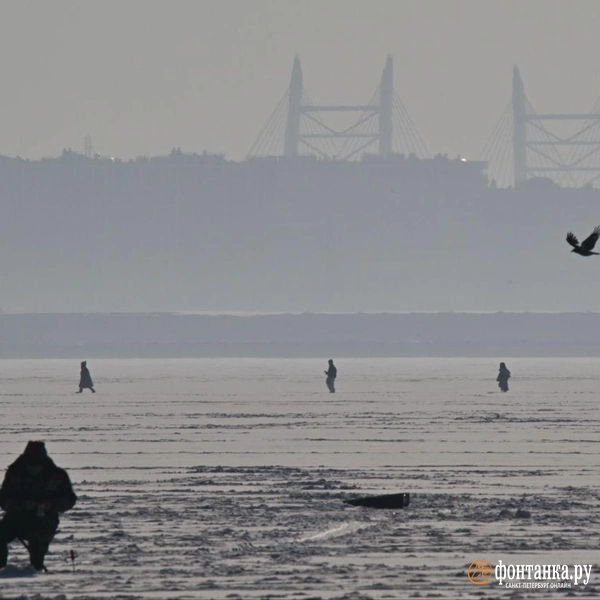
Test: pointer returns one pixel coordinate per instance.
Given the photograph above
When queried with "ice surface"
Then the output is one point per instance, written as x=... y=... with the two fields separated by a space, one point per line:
x=225 y=478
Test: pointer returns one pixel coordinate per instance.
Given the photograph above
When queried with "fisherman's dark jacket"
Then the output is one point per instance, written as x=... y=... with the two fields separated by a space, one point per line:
x=52 y=485
x=85 y=380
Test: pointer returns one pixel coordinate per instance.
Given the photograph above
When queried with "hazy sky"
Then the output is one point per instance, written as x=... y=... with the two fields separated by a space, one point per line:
x=142 y=76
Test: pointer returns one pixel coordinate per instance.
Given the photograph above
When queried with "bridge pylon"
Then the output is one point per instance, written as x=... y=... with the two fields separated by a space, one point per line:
x=378 y=127
x=519 y=128
x=571 y=159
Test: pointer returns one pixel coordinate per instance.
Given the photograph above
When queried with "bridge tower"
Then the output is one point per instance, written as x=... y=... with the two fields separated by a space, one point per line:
x=571 y=158
x=386 y=100
x=294 y=111
x=381 y=127
x=519 y=128
x=382 y=109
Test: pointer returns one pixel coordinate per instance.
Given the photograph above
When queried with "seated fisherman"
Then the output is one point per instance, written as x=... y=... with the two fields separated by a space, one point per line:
x=33 y=493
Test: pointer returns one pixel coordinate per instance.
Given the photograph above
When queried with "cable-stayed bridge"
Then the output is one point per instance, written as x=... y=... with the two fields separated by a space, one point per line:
x=525 y=145
x=300 y=127
x=561 y=147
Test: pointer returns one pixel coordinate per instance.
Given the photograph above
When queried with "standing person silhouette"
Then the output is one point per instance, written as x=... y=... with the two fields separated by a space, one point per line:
x=331 y=375
x=85 y=380
x=503 y=377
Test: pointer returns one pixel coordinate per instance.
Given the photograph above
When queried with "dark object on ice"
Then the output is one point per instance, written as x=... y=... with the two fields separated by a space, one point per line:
x=33 y=493
x=331 y=375
x=85 y=380
x=520 y=513
x=384 y=501
x=503 y=377
x=585 y=248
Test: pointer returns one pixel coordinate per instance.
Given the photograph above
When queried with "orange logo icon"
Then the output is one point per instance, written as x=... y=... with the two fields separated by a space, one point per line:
x=479 y=571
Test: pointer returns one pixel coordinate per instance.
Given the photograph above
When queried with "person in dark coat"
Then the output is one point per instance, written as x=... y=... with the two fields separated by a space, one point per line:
x=33 y=494
x=85 y=381
x=503 y=377
x=331 y=375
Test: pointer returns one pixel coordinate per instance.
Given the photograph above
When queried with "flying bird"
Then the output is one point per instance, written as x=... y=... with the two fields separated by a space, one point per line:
x=585 y=248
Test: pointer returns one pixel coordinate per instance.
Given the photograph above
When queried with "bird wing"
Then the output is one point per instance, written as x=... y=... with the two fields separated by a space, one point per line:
x=590 y=242
x=572 y=240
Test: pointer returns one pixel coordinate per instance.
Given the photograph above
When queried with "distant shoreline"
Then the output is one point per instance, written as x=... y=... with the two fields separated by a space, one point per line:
x=191 y=335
